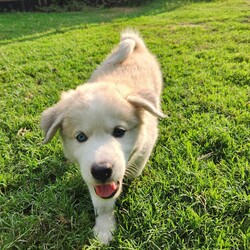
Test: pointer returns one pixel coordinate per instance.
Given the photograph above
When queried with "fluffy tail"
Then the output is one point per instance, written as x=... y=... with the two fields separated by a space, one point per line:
x=130 y=41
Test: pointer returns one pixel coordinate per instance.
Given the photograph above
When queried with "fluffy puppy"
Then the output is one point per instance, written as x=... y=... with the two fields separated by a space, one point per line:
x=109 y=124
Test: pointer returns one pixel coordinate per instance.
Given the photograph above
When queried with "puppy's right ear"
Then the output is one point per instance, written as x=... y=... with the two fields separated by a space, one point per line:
x=51 y=121
x=147 y=100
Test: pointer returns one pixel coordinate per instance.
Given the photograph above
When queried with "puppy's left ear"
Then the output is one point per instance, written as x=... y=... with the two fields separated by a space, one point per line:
x=51 y=121
x=147 y=100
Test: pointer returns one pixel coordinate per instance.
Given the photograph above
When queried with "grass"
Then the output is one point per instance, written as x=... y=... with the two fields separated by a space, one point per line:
x=194 y=192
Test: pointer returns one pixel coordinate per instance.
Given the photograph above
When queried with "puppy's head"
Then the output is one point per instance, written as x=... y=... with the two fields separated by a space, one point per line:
x=99 y=125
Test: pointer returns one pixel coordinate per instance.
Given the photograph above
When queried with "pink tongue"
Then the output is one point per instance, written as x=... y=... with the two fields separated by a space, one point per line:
x=106 y=190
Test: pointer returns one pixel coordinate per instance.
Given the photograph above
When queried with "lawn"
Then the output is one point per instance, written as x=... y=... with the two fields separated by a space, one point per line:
x=194 y=192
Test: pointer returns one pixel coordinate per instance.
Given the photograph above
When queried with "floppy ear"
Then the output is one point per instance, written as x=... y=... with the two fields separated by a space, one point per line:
x=148 y=100
x=50 y=122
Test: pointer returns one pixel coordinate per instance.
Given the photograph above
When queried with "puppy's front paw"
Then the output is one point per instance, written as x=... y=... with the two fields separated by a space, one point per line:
x=103 y=235
x=104 y=228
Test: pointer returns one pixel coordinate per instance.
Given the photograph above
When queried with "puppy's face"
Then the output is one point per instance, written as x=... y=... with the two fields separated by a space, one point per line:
x=99 y=126
x=99 y=131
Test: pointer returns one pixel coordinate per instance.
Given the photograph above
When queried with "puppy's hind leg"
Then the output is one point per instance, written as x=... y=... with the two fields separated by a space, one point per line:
x=140 y=158
x=138 y=162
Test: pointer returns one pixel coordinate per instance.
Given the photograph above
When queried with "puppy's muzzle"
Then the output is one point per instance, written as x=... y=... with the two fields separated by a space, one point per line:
x=102 y=171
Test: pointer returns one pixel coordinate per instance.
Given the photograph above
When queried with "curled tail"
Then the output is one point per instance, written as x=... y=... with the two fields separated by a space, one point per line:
x=130 y=41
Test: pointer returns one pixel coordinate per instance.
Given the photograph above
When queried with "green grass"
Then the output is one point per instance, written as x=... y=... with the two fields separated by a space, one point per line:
x=194 y=192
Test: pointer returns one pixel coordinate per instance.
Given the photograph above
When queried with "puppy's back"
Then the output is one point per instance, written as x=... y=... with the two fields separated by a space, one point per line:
x=130 y=64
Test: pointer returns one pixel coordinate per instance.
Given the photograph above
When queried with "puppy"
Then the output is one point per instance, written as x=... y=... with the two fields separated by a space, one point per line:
x=109 y=124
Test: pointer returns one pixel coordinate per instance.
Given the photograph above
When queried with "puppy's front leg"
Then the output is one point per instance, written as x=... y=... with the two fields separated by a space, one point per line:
x=104 y=226
x=105 y=219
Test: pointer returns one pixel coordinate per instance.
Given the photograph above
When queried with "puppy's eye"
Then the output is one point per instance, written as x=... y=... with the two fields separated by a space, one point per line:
x=119 y=132
x=81 y=137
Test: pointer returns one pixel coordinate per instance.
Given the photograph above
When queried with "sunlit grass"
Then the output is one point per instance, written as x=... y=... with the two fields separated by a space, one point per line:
x=194 y=192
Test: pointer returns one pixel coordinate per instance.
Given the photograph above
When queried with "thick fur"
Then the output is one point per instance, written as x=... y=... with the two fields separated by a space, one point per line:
x=124 y=91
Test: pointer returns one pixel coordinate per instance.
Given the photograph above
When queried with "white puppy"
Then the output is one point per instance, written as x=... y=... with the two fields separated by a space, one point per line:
x=109 y=124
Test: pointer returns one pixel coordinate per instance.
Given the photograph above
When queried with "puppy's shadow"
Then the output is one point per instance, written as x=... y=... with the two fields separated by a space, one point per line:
x=128 y=185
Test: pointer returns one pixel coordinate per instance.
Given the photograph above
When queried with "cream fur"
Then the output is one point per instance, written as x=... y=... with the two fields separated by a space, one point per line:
x=123 y=91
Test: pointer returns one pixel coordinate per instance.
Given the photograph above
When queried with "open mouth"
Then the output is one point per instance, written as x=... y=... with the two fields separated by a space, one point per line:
x=107 y=190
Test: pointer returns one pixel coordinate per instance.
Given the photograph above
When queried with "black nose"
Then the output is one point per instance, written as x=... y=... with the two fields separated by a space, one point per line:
x=101 y=171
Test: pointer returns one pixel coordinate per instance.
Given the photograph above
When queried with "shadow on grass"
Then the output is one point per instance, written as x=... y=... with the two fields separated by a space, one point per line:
x=21 y=27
